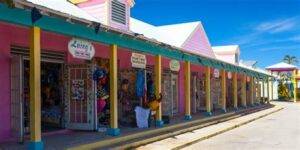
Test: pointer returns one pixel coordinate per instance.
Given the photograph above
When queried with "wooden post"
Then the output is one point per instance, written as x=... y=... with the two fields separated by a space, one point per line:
x=35 y=89
x=223 y=89
x=295 y=85
x=244 y=91
x=207 y=91
x=187 y=72
x=158 y=74
x=235 y=91
x=113 y=78
x=268 y=90
x=263 y=90
x=251 y=91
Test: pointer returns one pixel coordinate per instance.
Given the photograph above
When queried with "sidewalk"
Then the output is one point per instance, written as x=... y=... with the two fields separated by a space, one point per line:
x=182 y=140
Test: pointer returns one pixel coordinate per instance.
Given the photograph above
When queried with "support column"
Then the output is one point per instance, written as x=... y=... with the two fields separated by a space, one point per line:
x=295 y=85
x=223 y=89
x=251 y=91
x=158 y=73
x=244 y=91
x=187 y=83
x=263 y=91
x=235 y=92
x=207 y=91
x=113 y=81
x=35 y=89
x=268 y=90
x=272 y=89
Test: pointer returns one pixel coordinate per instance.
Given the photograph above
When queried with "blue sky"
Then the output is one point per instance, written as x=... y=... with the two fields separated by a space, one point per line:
x=266 y=30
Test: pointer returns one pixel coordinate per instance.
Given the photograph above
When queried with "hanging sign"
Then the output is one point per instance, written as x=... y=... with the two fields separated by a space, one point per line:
x=138 y=60
x=174 y=65
x=229 y=74
x=248 y=79
x=81 y=49
x=216 y=73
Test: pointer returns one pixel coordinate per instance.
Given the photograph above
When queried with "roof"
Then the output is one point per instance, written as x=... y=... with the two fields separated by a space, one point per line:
x=63 y=6
x=281 y=65
x=175 y=34
x=227 y=49
x=250 y=63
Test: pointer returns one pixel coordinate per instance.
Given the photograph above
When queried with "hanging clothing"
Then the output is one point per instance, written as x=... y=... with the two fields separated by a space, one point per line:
x=142 y=116
x=140 y=83
x=100 y=105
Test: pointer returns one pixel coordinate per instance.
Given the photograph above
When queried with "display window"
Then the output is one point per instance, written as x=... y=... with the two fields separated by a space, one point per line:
x=215 y=92
x=136 y=88
x=101 y=79
x=52 y=110
x=170 y=101
x=197 y=93
x=229 y=93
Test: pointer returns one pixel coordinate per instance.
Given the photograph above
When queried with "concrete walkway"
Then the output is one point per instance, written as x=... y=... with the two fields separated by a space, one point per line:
x=188 y=138
x=279 y=131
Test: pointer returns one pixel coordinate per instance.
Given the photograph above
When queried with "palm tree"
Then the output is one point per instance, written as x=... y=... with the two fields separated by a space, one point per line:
x=290 y=59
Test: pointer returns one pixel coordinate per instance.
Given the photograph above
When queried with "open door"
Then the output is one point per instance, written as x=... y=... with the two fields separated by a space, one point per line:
x=80 y=103
x=16 y=87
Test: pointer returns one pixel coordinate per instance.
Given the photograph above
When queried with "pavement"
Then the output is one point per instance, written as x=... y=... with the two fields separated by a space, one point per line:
x=192 y=140
x=279 y=131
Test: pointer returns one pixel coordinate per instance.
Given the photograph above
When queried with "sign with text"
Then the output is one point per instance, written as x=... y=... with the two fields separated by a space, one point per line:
x=174 y=65
x=81 y=49
x=138 y=60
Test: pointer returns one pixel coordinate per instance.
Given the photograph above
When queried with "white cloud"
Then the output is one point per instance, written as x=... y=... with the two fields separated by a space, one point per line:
x=277 y=26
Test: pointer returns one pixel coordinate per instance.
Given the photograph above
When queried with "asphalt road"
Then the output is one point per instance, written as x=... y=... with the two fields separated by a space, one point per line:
x=278 y=131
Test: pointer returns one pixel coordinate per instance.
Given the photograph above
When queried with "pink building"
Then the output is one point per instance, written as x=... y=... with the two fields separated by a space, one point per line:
x=75 y=67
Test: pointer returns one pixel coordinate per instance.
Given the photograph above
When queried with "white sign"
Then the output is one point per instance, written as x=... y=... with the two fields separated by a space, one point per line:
x=229 y=74
x=174 y=65
x=216 y=73
x=138 y=60
x=81 y=49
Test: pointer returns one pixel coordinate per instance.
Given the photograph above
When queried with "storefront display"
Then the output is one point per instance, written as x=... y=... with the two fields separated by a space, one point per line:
x=197 y=93
x=101 y=79
x=170 y=93
x=51 y=95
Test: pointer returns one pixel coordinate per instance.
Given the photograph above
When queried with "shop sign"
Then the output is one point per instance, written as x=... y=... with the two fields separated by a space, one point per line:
x=174 y=65
x=248 y=79
x=216 y=73
x=229 y=75
x=138 y=60
x=81 y=49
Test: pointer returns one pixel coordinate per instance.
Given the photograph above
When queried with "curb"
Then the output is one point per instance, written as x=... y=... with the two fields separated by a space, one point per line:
x=227 y=129
x=203 y=124
x=150 y=136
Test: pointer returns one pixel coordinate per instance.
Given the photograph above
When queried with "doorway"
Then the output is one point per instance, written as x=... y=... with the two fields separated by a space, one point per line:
x=170 y=94
x=51 y=96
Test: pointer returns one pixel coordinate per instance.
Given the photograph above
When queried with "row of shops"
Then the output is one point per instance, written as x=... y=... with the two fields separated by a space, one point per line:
x=59 y=75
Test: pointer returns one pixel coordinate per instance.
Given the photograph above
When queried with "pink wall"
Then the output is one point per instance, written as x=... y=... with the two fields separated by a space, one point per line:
x=19 y=36
x=199 y=43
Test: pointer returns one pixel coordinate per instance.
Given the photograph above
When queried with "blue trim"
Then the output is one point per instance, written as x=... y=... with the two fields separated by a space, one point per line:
x=208 y=114
x=113 y=131
x=159 y=123
x=224 y=111
x=39 y=145
x=187 y=117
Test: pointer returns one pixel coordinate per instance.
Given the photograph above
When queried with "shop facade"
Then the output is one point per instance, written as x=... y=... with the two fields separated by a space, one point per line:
x=88 y=90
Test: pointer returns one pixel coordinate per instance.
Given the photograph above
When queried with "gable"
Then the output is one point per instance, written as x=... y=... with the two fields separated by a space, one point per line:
x=198 y=43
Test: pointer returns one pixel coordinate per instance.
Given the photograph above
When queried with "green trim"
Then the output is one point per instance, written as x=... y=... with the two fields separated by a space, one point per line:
x=57 y=25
